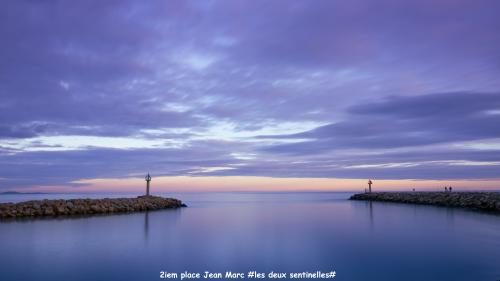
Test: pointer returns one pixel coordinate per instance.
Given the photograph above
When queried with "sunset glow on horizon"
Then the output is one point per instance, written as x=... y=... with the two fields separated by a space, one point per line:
x=257 y=184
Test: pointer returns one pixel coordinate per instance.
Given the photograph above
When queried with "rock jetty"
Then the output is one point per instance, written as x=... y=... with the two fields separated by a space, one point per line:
x=482 y=201
x=70 y=207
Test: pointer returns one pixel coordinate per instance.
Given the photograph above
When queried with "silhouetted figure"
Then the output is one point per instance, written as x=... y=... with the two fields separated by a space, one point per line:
x=449 y=188
x=414 y=190
x=445 y=188
x=370 y=186
x=148 y=179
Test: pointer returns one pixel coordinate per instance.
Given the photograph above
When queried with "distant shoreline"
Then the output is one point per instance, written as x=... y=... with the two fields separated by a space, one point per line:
x=70 y=207
x=21 y=193
x=478 y=201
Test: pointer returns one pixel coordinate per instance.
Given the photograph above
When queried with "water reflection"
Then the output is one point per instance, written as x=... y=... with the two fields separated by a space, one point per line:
x=263 y=232
x=146 y=225
x=370 y=208
x=450 y=217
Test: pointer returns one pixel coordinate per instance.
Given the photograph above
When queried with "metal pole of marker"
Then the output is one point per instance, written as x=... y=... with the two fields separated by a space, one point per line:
x=148 y=179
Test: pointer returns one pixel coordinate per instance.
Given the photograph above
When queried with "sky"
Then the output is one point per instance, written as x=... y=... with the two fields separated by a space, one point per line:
x=249 y=95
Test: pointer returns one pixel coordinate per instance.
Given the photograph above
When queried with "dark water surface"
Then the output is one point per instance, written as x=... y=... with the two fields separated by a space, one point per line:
x=241 y=232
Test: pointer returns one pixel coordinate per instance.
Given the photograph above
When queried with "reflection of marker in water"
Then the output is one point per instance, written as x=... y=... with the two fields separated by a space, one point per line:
x=371 y=214
x=146 y=224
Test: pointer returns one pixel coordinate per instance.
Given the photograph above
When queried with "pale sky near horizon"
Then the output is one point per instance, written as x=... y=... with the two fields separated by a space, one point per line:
x=249 y=95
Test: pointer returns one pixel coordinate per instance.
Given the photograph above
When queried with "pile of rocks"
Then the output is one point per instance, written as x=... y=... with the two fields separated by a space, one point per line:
x=484 y=201
x=86 y=206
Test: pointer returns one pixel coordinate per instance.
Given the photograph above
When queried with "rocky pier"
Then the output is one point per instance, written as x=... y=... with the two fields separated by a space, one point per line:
x=481 y=201
x=38 y=208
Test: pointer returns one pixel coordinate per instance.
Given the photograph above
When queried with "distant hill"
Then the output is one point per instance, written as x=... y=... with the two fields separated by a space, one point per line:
x=15 y=192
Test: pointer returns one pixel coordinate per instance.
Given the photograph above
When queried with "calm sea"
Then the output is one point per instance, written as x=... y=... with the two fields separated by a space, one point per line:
x=263 y=232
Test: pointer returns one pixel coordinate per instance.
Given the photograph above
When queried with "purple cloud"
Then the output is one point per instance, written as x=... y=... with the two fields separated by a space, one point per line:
x=339 y=89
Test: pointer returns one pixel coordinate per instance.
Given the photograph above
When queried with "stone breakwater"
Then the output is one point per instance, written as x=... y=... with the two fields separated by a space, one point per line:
x=86 y=206
x=483 y=201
